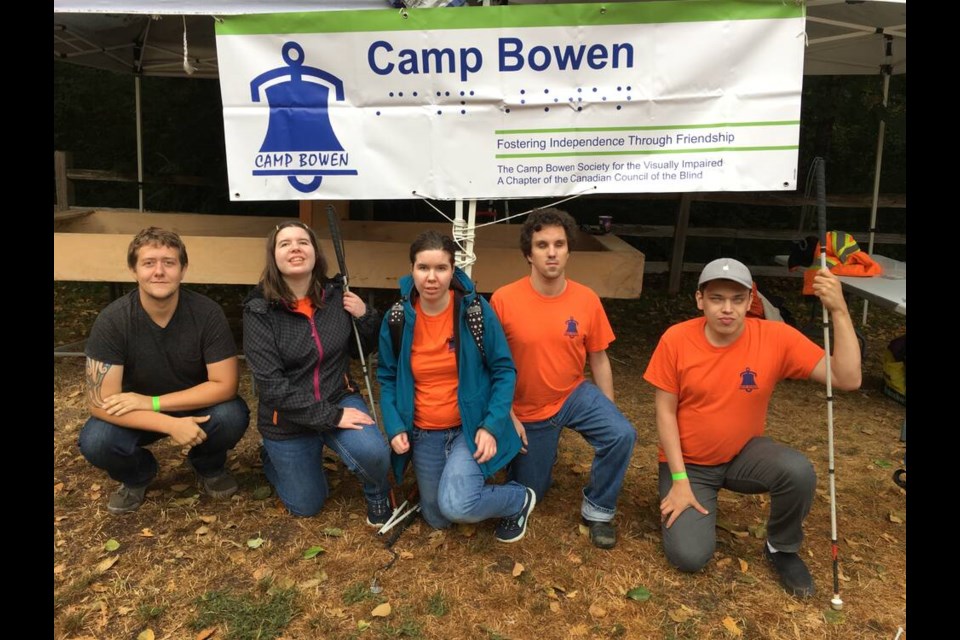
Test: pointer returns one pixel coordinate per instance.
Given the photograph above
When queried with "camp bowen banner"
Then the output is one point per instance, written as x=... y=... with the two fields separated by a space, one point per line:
x=513 y=101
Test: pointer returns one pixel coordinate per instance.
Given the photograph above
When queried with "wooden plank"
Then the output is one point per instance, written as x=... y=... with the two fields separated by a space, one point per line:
x=103 y=175
x=62 y=161
x=659 y=266
x=679 y=244
x=666 y=231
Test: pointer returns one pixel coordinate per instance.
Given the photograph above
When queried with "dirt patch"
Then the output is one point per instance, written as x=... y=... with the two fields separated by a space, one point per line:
x=460 y=583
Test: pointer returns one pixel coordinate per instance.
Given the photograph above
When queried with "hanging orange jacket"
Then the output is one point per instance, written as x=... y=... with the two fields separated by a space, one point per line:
x=844 y=258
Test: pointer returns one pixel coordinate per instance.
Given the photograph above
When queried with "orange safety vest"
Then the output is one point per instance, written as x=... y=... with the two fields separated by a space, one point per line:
x=844 y=258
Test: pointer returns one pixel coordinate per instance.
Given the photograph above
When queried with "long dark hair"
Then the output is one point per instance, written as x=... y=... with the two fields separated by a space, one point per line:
x=274 y=287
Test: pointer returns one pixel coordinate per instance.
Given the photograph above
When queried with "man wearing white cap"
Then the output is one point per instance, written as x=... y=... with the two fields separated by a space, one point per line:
x=714 y=377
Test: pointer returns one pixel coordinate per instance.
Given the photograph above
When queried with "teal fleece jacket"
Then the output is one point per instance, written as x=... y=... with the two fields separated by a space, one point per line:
x=485 y=387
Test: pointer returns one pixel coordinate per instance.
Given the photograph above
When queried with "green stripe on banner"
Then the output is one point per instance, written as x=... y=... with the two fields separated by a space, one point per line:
x=718 y=125
x=639 y=152
x=539 y=15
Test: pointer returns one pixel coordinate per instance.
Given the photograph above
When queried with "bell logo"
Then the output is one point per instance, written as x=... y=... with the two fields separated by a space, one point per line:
x=300 y=142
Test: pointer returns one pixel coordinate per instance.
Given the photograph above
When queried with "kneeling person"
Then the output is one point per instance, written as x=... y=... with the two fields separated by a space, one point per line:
x=714 y=377
x=161 y=361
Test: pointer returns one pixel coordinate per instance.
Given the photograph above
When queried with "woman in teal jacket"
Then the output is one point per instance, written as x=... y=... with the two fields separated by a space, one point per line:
x=445 y=392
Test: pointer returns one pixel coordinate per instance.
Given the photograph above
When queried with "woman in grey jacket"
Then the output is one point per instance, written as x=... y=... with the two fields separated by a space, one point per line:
x=297 y=339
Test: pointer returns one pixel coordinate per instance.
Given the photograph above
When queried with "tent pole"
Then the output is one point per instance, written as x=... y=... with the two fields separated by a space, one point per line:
x=136 y=80
x=471 y=230
x=886 y=70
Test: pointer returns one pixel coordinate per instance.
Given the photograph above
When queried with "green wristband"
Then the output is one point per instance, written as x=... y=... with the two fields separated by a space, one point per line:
x=156 y=403
x=679 y=476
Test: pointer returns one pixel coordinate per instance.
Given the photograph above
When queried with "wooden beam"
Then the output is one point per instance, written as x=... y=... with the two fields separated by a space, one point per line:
x=666 y=231
x=679 y=244
x=62 y=162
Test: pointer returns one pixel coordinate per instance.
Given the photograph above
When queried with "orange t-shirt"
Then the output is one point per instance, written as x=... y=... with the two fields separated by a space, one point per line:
x=433 y=361
x=723 y=392
x=549 y=339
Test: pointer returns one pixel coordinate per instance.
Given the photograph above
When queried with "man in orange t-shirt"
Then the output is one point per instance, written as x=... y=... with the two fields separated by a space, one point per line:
x=714 y=377
x=554 y=326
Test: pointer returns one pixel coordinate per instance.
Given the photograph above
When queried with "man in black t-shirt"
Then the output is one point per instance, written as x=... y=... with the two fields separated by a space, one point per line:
x=161 y=361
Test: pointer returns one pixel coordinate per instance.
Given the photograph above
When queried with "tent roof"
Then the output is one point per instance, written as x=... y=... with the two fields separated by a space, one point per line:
x=843 y=37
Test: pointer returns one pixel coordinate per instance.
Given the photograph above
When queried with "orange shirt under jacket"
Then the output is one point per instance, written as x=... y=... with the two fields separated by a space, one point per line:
x=433 y=361
x=549 y=339
x=723 y=392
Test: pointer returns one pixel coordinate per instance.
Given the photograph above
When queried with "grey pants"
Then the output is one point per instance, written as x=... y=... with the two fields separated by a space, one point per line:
x=762 y=466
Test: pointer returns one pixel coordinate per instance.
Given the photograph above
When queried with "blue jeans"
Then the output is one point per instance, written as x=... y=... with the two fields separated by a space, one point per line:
x=295 y=467
x=591 y=414
x=451 y=483
x=122 y=454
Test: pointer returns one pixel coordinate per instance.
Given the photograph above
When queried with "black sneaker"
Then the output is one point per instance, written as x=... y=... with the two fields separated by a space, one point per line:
x=126 y=499
x=794 y=576
x=378 y=513
x=514 y=528
x=603 y=535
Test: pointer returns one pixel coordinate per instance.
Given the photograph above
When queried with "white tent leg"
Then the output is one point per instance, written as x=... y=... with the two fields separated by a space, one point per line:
x=463 y=232
x=878 y=164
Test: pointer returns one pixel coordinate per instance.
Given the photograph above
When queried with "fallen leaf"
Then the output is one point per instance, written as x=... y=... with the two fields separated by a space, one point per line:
x=106 y=563
x=517 y=569
x=551 y=593
x=313 y=552
x=896 y=518
x=731 y=626
x=681 y=614
x=743 y=565
x=597 y=611
x=124 y=610
x=185 y=502
x=337 y=613
x=382 y=611
x=584 y=529
x=405 y=555
x=95 y=487
x=202 y=530
x=883 y=464
x=333 y=532
x=574 y=558
x=208 y=519
x=206 y=633
x=146 y=634
x=555 y=607
x=855 y=558
x=146 y=533
x=262 y=492
x=60 y=518
x=741 y=534
x=722 y=562
x=262 y=572
x=57 y=488
x=640 y=594
x=869 y=432
x=111 y=545
x=254 y=543
x=179 y=488
x=361 y=624
x=888 y=537
x=58 y=569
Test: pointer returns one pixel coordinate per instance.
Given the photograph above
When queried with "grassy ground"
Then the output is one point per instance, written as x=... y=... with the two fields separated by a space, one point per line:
x=184 y=566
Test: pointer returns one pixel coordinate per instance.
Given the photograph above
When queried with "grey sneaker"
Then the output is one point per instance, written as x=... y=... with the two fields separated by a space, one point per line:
x=514 y=528
x=126 y=499
x=219 y=487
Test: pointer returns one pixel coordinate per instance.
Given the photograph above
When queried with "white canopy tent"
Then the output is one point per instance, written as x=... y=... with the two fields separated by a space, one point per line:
x=176 y=38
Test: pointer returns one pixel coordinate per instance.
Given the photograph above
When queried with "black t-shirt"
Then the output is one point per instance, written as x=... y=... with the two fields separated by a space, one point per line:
x=161 y=360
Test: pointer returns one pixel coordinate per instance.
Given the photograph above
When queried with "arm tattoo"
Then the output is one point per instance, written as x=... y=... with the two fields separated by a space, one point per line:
x=96 y=372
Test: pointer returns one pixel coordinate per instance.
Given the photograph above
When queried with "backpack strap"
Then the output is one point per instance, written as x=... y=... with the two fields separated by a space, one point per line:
x=395 y=320
x=475 y=324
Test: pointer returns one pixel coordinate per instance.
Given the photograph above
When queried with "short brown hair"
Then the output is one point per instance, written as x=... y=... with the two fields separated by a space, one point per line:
x=158 y=237
x=551 y=217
